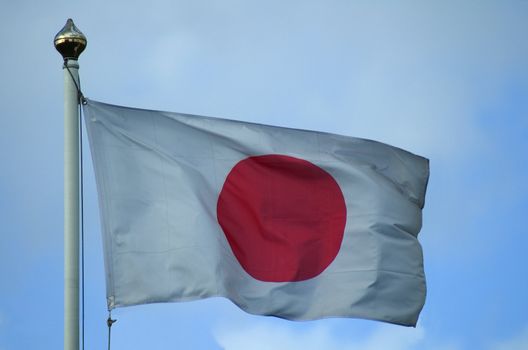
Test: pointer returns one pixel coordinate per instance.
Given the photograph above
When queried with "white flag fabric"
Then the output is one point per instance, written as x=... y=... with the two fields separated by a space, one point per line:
x=291 y=223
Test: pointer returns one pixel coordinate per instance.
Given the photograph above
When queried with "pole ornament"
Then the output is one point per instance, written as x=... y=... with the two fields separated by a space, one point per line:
x=70 y=41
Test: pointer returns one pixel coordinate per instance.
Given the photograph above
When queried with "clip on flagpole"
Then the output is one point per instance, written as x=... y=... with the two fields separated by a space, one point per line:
x=109 y=323
x=70 y=42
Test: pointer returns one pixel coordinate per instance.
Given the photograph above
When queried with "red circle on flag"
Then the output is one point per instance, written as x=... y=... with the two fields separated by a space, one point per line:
x=283 y=217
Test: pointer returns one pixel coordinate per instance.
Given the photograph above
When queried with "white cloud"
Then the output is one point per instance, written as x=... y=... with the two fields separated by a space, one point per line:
x=518 y=341
x=269 y=336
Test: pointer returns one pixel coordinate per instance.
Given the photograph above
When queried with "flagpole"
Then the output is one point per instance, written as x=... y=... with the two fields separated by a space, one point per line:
x=70 y=42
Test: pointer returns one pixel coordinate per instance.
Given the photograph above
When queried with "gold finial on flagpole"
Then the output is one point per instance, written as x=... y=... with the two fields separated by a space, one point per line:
x=70 y=41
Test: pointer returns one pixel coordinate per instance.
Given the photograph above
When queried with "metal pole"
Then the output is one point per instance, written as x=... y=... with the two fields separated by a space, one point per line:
x=70 y=42
x=71 y=208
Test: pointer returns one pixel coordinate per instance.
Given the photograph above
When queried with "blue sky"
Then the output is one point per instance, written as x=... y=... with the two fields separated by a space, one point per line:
x=447 y=80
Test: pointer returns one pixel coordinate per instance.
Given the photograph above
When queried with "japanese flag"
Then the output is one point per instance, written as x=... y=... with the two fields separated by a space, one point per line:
x=291 y=223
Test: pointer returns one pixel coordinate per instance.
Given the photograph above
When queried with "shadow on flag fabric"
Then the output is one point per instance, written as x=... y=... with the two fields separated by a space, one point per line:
x=290 y=223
